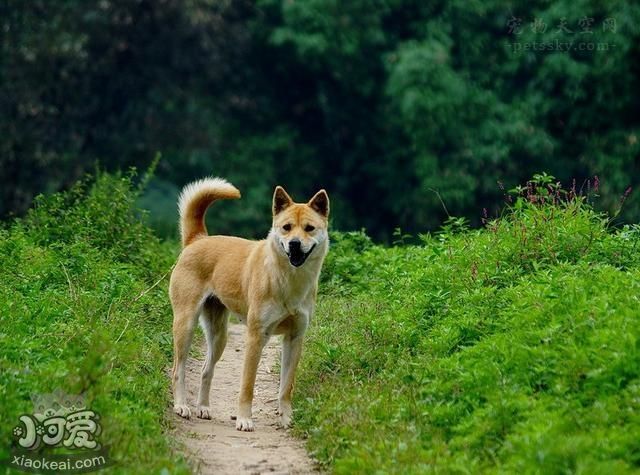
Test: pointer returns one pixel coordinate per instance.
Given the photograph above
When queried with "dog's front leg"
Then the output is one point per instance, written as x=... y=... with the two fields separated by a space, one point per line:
x=256 y=339
x=291 y=352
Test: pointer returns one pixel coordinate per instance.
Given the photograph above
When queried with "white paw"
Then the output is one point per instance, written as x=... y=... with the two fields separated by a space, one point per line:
x=244 y=424
x=203 y=412
x=182 y=410
x=286 y=413
x=285 y=421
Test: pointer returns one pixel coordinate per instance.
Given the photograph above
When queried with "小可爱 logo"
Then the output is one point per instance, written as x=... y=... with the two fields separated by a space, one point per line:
x=60 y=435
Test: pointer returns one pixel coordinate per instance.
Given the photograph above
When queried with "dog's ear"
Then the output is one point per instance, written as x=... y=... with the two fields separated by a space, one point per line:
x=281 y=200
x=320 y=203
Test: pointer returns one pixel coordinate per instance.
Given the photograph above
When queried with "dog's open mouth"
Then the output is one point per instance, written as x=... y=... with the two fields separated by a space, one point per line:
x=297 y=257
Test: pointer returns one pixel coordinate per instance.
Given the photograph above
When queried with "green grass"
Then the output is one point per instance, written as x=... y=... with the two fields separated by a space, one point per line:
x=510 y=349
x=80 y=312
x=514 y=348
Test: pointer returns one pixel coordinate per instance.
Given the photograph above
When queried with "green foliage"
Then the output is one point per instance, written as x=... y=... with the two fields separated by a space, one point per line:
x=84 y=308
x=115 y=81
x=100 y=214
x=513 y=348
x=381 y=102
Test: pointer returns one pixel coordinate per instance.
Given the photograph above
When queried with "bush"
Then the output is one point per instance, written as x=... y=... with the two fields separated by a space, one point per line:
x=507 y=349
x=84 y=309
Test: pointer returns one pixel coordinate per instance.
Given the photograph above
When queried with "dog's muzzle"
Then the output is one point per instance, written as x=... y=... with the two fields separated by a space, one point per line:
x=296 y=256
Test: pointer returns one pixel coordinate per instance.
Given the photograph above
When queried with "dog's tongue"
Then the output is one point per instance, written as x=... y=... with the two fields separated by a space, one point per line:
x=297 y=258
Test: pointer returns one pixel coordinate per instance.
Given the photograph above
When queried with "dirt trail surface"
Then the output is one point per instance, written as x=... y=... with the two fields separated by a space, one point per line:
x=215 y=444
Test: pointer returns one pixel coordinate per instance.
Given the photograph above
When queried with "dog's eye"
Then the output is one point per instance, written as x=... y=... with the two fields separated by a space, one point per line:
x=287 y=227
x=308 y=228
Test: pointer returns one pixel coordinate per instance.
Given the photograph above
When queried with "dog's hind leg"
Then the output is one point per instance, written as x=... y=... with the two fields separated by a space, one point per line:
x=213 y=320
x=184 y=320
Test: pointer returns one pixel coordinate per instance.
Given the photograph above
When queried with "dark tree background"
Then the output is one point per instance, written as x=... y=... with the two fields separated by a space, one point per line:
x=380 y=102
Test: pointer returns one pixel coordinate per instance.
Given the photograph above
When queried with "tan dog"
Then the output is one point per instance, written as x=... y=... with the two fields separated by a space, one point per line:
x=270 y=285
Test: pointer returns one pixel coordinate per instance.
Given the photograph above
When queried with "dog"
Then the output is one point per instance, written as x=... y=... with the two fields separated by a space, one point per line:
x=271 y=285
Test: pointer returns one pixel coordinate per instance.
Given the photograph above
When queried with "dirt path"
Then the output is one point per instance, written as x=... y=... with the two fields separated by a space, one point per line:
x=215 y=444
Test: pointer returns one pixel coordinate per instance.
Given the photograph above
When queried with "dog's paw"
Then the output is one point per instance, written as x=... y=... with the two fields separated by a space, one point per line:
x=286 y=413
x=285 y=421
x=182 y=410
x=245 y=424
x=203 y=412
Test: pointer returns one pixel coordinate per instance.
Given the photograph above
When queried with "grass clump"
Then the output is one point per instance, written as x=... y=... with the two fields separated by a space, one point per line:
x=81 y=312
x=514 y=348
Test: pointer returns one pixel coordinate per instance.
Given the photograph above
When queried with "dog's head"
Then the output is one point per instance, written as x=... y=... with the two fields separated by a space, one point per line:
x=299 y=229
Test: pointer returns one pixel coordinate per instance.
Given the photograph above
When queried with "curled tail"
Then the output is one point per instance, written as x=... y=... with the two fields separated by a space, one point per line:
x=194 y=201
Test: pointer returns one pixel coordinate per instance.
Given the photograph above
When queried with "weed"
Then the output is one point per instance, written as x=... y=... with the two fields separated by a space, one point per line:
x=84 y=309
x=507 y=349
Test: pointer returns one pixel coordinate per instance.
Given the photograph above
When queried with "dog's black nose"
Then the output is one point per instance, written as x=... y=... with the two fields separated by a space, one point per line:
x=294 y=245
